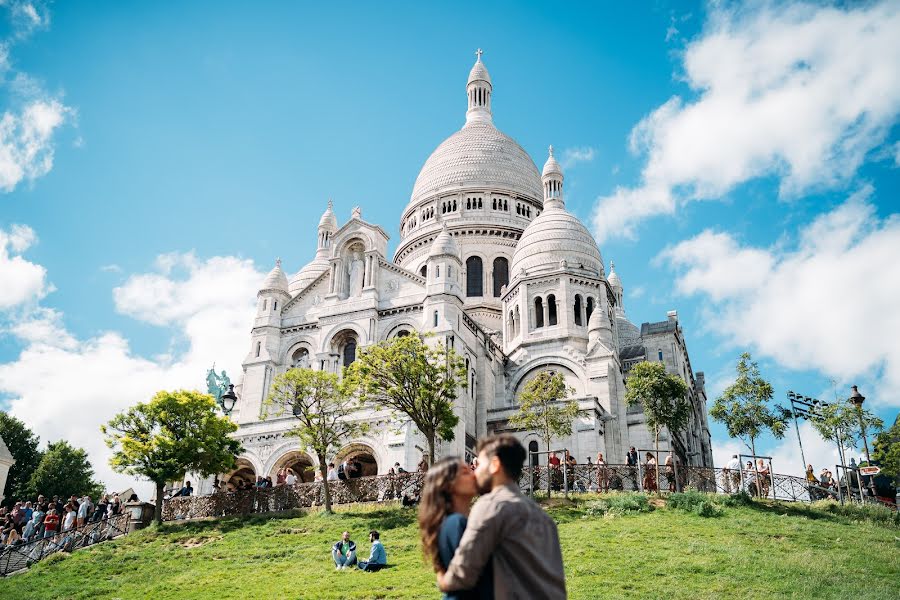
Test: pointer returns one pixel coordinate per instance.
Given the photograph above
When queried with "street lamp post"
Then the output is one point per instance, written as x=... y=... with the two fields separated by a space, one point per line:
x=857 y=399
x=228 y=400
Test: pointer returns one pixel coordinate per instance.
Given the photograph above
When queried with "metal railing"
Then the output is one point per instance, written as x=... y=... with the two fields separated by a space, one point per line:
x=287 y=497
x=579 y=478
x=21 y=555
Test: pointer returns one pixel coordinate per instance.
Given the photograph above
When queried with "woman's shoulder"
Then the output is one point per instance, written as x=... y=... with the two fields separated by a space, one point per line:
x=454 y=520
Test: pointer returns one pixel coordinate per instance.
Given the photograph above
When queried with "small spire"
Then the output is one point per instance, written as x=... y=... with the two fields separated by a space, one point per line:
x=478 y=54
x=550 y=149
x=330 y=204
x=278 y=263
x=612 y=266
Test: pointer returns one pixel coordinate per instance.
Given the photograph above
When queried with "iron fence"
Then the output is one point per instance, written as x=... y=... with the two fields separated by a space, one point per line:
x=21 y=555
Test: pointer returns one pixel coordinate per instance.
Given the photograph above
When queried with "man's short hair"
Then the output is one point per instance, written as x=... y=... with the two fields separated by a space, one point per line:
x=507 y=448
x=375 y=535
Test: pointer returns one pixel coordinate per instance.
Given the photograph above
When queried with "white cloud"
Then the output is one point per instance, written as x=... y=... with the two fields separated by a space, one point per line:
x=111 y=268
x=26 y=141
x=27 y=17
x=573 y=156
x=829 y=303
x=65 y=387
x=797 y=91
x=23 y=281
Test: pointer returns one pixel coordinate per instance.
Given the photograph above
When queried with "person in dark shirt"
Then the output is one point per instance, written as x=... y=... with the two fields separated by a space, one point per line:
x=447 y=496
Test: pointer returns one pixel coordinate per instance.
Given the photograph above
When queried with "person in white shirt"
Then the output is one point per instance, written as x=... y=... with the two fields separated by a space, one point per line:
x=332 y=473
x=85 y=510
x=69 y=521
x=732 y=474
x=291 y=479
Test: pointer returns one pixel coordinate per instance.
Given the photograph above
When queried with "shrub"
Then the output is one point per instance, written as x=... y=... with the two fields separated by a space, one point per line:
x=618 y=504
x=871 y=513
x=741 y=498
x=708 y=509
x=696 y=502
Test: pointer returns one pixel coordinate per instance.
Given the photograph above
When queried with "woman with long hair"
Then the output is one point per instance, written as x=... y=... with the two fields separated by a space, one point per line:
x=446 y=499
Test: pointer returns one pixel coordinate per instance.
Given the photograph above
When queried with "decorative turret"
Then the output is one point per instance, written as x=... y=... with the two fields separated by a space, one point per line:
x=327 y=227
x=444 y=266
x=615 y=283
x=479 y=90
x=600 y=329
x=552 y=178
x=319 y=264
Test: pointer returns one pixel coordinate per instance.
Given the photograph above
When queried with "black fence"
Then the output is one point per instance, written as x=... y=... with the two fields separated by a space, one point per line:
x=21 y=555
x=578 y=478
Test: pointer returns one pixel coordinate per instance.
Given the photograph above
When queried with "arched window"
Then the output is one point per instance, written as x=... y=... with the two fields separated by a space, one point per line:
x=474 y=277
x=435 y=318
x=532 y=453
x=402 y=333
x=551 y=310
x=300 y=359
x=265 y=303
x=578 y=309
x=258 y=348
x=590 y=309
x=538 y=313
x=274 y=305
x=501 y=275
x=349 y=353
x=424 y=271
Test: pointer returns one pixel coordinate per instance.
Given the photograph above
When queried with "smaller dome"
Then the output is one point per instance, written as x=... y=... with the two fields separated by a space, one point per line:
x=556 y=235
x=598 y=320
x=328 y=220
x=551 y=167
x=308 y=274
x=629 y=334
x=276 y=279
x=479 y=72
x=444 y=244
x=613 y=278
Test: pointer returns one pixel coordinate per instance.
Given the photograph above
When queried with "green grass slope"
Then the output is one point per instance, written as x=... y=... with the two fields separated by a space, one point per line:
x=617 y=546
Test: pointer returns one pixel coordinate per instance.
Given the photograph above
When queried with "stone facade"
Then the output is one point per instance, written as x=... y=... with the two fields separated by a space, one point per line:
x=490 y=262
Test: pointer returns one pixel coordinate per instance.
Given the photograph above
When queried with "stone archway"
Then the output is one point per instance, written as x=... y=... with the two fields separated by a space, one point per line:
x=243 y=472
x=363 y=454
x=299 y=462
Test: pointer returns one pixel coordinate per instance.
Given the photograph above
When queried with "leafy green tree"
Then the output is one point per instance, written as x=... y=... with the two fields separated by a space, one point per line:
x=839 y=423
x=544 y=408
x=173 y=434
x=663 y=398
x=323 y=409
x=23 y=445
x=63 y=471
x=744 y=407
x=408 y=377
x=886 y=451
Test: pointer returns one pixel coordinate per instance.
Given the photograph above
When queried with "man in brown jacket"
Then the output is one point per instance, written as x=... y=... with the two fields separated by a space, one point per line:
x=510 y=528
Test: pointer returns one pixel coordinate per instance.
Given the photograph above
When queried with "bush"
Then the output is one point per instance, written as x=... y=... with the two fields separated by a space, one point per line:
x=696 y=502
x=870 y=513
x=741 y=498
x=619 y=504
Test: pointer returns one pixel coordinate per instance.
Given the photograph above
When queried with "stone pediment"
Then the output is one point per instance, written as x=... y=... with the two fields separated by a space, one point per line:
x=309 y=296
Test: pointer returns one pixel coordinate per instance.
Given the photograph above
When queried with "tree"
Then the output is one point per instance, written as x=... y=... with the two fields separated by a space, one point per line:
x=886 y=451
x=173 y=434
x=64 y=471
x=544 y=408
x=23 y=445
x=322 y=406
x=408 y=377
x=663 y=398
x=839 y=423
x=743 y=408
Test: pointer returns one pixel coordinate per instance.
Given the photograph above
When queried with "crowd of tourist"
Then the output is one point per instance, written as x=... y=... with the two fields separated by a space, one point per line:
x=29 y=520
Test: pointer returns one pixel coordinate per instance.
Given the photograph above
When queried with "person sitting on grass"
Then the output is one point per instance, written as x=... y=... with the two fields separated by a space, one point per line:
x=377 y=557
x=344 y=552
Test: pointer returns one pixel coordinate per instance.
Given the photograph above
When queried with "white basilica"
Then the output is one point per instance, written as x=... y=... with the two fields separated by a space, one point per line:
x=491 y=262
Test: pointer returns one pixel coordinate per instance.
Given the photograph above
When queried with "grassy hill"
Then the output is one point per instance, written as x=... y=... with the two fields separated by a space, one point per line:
x=621 y=545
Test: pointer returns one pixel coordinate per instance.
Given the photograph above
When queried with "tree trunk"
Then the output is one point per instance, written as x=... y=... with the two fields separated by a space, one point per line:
x=549 y=469
x=157 y=510
x=323 y=469
x=658 y=493
x=431 y=443
x=755 y=467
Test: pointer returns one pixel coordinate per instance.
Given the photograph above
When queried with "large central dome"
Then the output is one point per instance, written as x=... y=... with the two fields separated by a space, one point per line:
x=479 y=154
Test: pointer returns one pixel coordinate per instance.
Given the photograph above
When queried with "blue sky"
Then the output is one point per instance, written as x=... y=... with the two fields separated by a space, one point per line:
x=738 y=165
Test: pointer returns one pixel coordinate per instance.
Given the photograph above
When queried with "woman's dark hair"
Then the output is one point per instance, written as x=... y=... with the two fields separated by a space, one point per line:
x=375 y=535
x=436 y=504
x=508 y=449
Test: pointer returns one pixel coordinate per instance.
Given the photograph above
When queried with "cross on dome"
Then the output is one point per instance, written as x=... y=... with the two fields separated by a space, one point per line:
x=551 y=149
x=478 y=54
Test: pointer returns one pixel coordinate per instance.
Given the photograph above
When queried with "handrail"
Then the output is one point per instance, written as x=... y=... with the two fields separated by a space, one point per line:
x=577 y=478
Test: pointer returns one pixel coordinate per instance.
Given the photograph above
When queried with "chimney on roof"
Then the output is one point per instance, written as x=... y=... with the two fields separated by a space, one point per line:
x=672 y=315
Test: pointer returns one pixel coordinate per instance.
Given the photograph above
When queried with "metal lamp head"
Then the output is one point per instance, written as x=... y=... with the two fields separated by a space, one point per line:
x=228 y=399
x=856 y=398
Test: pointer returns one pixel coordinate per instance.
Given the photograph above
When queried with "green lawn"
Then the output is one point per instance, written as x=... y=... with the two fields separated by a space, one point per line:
x=755 y=551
